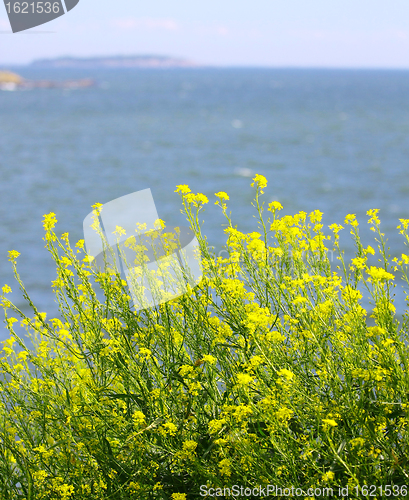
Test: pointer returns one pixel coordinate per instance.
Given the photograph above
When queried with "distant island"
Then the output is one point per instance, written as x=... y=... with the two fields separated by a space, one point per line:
x=144 y=61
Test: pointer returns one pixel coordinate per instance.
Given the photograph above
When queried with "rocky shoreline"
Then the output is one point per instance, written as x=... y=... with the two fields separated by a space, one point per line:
x=12 y=81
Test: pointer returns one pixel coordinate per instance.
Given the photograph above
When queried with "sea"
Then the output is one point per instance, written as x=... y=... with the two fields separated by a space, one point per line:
x=326 y=139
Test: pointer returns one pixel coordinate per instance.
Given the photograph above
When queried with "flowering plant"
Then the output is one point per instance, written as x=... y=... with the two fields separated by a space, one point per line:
x=267 y=372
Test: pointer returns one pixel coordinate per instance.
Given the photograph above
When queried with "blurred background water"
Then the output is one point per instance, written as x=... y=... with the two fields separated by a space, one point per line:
x=333 y=140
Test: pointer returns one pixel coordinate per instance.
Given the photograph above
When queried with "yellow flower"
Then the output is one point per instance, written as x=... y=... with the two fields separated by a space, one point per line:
x=49 y=221
x=138 y=418
x=287 y=374
x=405 y=259
x=194 y=387
x=182 y=188
x=196 y=199
x=201 y=199
x=39 y=477
x=328 y=476
x=185 y=370
x=224 y=466
x=119 y=231
x=284 y=413
x=349 y=293
x=370 y=250
x=222 y=195
x=405 y=223
x=134 y=487
x=13 y=254
x=246 y=463
x=359 y=262
x=387 y=342
x=328 y=422
x=374 y=452
x=43 y=451
x=22 y=355
x=244 y=378
x=315 y=216
x=373 y=216
x=351 y=219
x=189 y=446
x=357 y=442
x=66 y=491
x=216 y=425
x=274 y=336
x=208 y=358
x=257 y=317
x=97 y=208
x=335 y=228
x=261 y=182
x=10 y=322
x=170 y=428
x=275 y=205
x=299 y=300
x=144 y=353
x=378 y=274
x=178 y=496
x=256 y=361
x=6 y=289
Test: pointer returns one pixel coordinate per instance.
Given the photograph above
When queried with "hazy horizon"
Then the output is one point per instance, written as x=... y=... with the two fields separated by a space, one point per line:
x=5 y=67
x=350 y=35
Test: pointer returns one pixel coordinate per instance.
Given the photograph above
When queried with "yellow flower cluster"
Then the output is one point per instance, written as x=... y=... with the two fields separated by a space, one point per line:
x=266 y=372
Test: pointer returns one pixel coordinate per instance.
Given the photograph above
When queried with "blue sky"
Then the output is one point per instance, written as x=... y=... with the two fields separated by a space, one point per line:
x=295 y=33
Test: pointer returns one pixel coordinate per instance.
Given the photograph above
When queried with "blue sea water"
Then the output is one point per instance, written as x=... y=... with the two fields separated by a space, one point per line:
x=333 y=140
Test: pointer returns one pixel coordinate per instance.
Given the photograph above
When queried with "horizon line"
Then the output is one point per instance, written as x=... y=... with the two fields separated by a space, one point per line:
x=3 y=65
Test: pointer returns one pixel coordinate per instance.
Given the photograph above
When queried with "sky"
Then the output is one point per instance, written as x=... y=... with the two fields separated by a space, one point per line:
x=271 y=33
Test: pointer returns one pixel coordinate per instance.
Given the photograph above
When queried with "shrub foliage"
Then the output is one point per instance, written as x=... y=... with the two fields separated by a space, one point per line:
x=266 y=372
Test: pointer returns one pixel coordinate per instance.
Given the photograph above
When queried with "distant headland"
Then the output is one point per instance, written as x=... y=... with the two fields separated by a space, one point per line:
x=13 y=81
x=141 y=61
